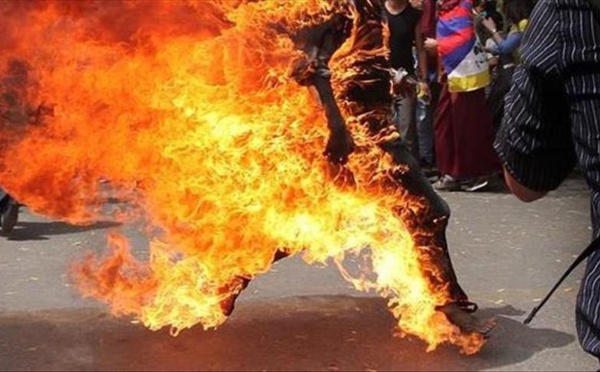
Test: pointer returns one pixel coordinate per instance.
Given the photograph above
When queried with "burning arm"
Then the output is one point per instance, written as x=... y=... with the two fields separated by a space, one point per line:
x=312 y=70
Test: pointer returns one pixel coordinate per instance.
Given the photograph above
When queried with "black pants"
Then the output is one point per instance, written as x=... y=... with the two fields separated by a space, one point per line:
x=4 y=199
x=434 y=218
x=498 y=90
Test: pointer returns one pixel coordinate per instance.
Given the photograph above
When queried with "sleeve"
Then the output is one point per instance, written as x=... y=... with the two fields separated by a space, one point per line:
x=318 y=44
x=508 y=45
x=534 y=141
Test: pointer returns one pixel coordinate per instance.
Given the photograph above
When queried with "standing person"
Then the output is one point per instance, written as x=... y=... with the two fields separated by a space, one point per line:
x=366 y=92
x=426 y=104
x=403 y=21
x=551 y=123
x=517 y=15
x=463 y=129
x=483 y=9
x=9 y=213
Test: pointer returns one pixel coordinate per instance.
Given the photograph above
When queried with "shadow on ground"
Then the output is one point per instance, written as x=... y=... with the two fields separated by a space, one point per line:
x=26 y=230
x=298 y=333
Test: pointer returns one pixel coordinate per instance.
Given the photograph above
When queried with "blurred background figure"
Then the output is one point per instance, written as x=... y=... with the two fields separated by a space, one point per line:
x=506 y=49
x=15 y=114
x=463 y=128
x=426 y=104
x=9 y=213
x=403 y=21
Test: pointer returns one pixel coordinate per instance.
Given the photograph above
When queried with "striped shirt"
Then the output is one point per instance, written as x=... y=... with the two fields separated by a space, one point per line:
x=552 y=122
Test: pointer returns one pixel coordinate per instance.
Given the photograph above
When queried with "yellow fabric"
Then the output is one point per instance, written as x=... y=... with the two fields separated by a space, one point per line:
x=468 y=83
x=521 y=26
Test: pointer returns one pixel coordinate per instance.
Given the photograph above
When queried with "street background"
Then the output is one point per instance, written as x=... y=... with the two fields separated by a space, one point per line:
x=297 y=317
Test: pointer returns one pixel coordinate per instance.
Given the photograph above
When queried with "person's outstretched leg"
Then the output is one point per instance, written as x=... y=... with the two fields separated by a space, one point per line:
x=435 y=219
x=228 y=304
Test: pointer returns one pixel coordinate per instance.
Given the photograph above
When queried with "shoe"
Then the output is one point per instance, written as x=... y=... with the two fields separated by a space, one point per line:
x=475 y=184
x=447 y=183
x=9 y=217
x=429 y=170
x=462 y=317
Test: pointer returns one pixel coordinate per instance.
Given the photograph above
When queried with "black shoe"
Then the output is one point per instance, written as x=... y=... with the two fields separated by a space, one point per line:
x=9 y=217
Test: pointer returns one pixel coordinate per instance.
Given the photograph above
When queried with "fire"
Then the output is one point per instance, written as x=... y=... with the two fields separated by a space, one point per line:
x=186 y=108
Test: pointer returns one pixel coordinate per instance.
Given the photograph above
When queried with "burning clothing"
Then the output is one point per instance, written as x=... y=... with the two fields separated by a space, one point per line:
x=366 y=95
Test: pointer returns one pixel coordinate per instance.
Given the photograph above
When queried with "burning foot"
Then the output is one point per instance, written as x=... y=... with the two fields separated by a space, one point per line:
x=466 y=321
x=228 y=304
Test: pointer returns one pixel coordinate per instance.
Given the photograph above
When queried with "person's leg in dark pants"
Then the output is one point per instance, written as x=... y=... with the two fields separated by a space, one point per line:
x=228 y=305
x=435 y=219
x=405 y=106
x=9 y=213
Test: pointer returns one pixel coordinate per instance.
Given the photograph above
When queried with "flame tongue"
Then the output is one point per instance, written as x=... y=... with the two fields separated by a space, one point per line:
x=193 y=120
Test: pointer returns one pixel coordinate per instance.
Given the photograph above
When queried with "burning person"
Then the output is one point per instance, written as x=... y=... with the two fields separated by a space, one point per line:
x=16 y=114
x=365 y=92
x=230 y=168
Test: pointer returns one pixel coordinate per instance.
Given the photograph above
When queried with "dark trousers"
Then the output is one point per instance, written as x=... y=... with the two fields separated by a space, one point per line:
x=588 y=307
x=434 y=219
x=498 y=90
x=4 y=198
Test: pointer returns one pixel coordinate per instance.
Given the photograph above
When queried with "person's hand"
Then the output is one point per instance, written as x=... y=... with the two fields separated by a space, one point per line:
x=339 y=147
x=430 y=45
x=424 y=90
x=489 y=24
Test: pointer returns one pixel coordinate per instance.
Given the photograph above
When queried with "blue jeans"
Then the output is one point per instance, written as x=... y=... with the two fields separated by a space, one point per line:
x=424 y=124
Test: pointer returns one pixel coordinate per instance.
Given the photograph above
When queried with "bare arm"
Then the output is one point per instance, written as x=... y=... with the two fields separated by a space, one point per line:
x=421 y=54
x=522 y=192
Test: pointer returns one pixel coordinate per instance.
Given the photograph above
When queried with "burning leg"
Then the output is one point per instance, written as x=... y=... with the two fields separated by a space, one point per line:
x=239 y=284
x=458 y=309
x=367 y=89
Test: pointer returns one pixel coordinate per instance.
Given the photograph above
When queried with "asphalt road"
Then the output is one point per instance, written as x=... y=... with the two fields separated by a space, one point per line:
x=299 y=317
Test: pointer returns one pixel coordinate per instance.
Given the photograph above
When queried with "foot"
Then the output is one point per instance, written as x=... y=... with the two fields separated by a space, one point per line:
x=429 y=170
x=475 y=184
x=9 y=217
x=228 y=304
x=447 y=183
x=464 y=319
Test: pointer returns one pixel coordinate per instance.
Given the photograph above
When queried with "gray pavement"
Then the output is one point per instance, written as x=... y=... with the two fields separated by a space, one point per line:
x=299 y=317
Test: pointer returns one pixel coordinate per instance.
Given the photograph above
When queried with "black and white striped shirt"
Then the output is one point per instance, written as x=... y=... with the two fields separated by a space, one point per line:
x=551 y=113
x=552 y=122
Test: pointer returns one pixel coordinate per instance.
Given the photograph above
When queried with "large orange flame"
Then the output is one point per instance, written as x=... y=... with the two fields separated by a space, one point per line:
x=186 y=109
